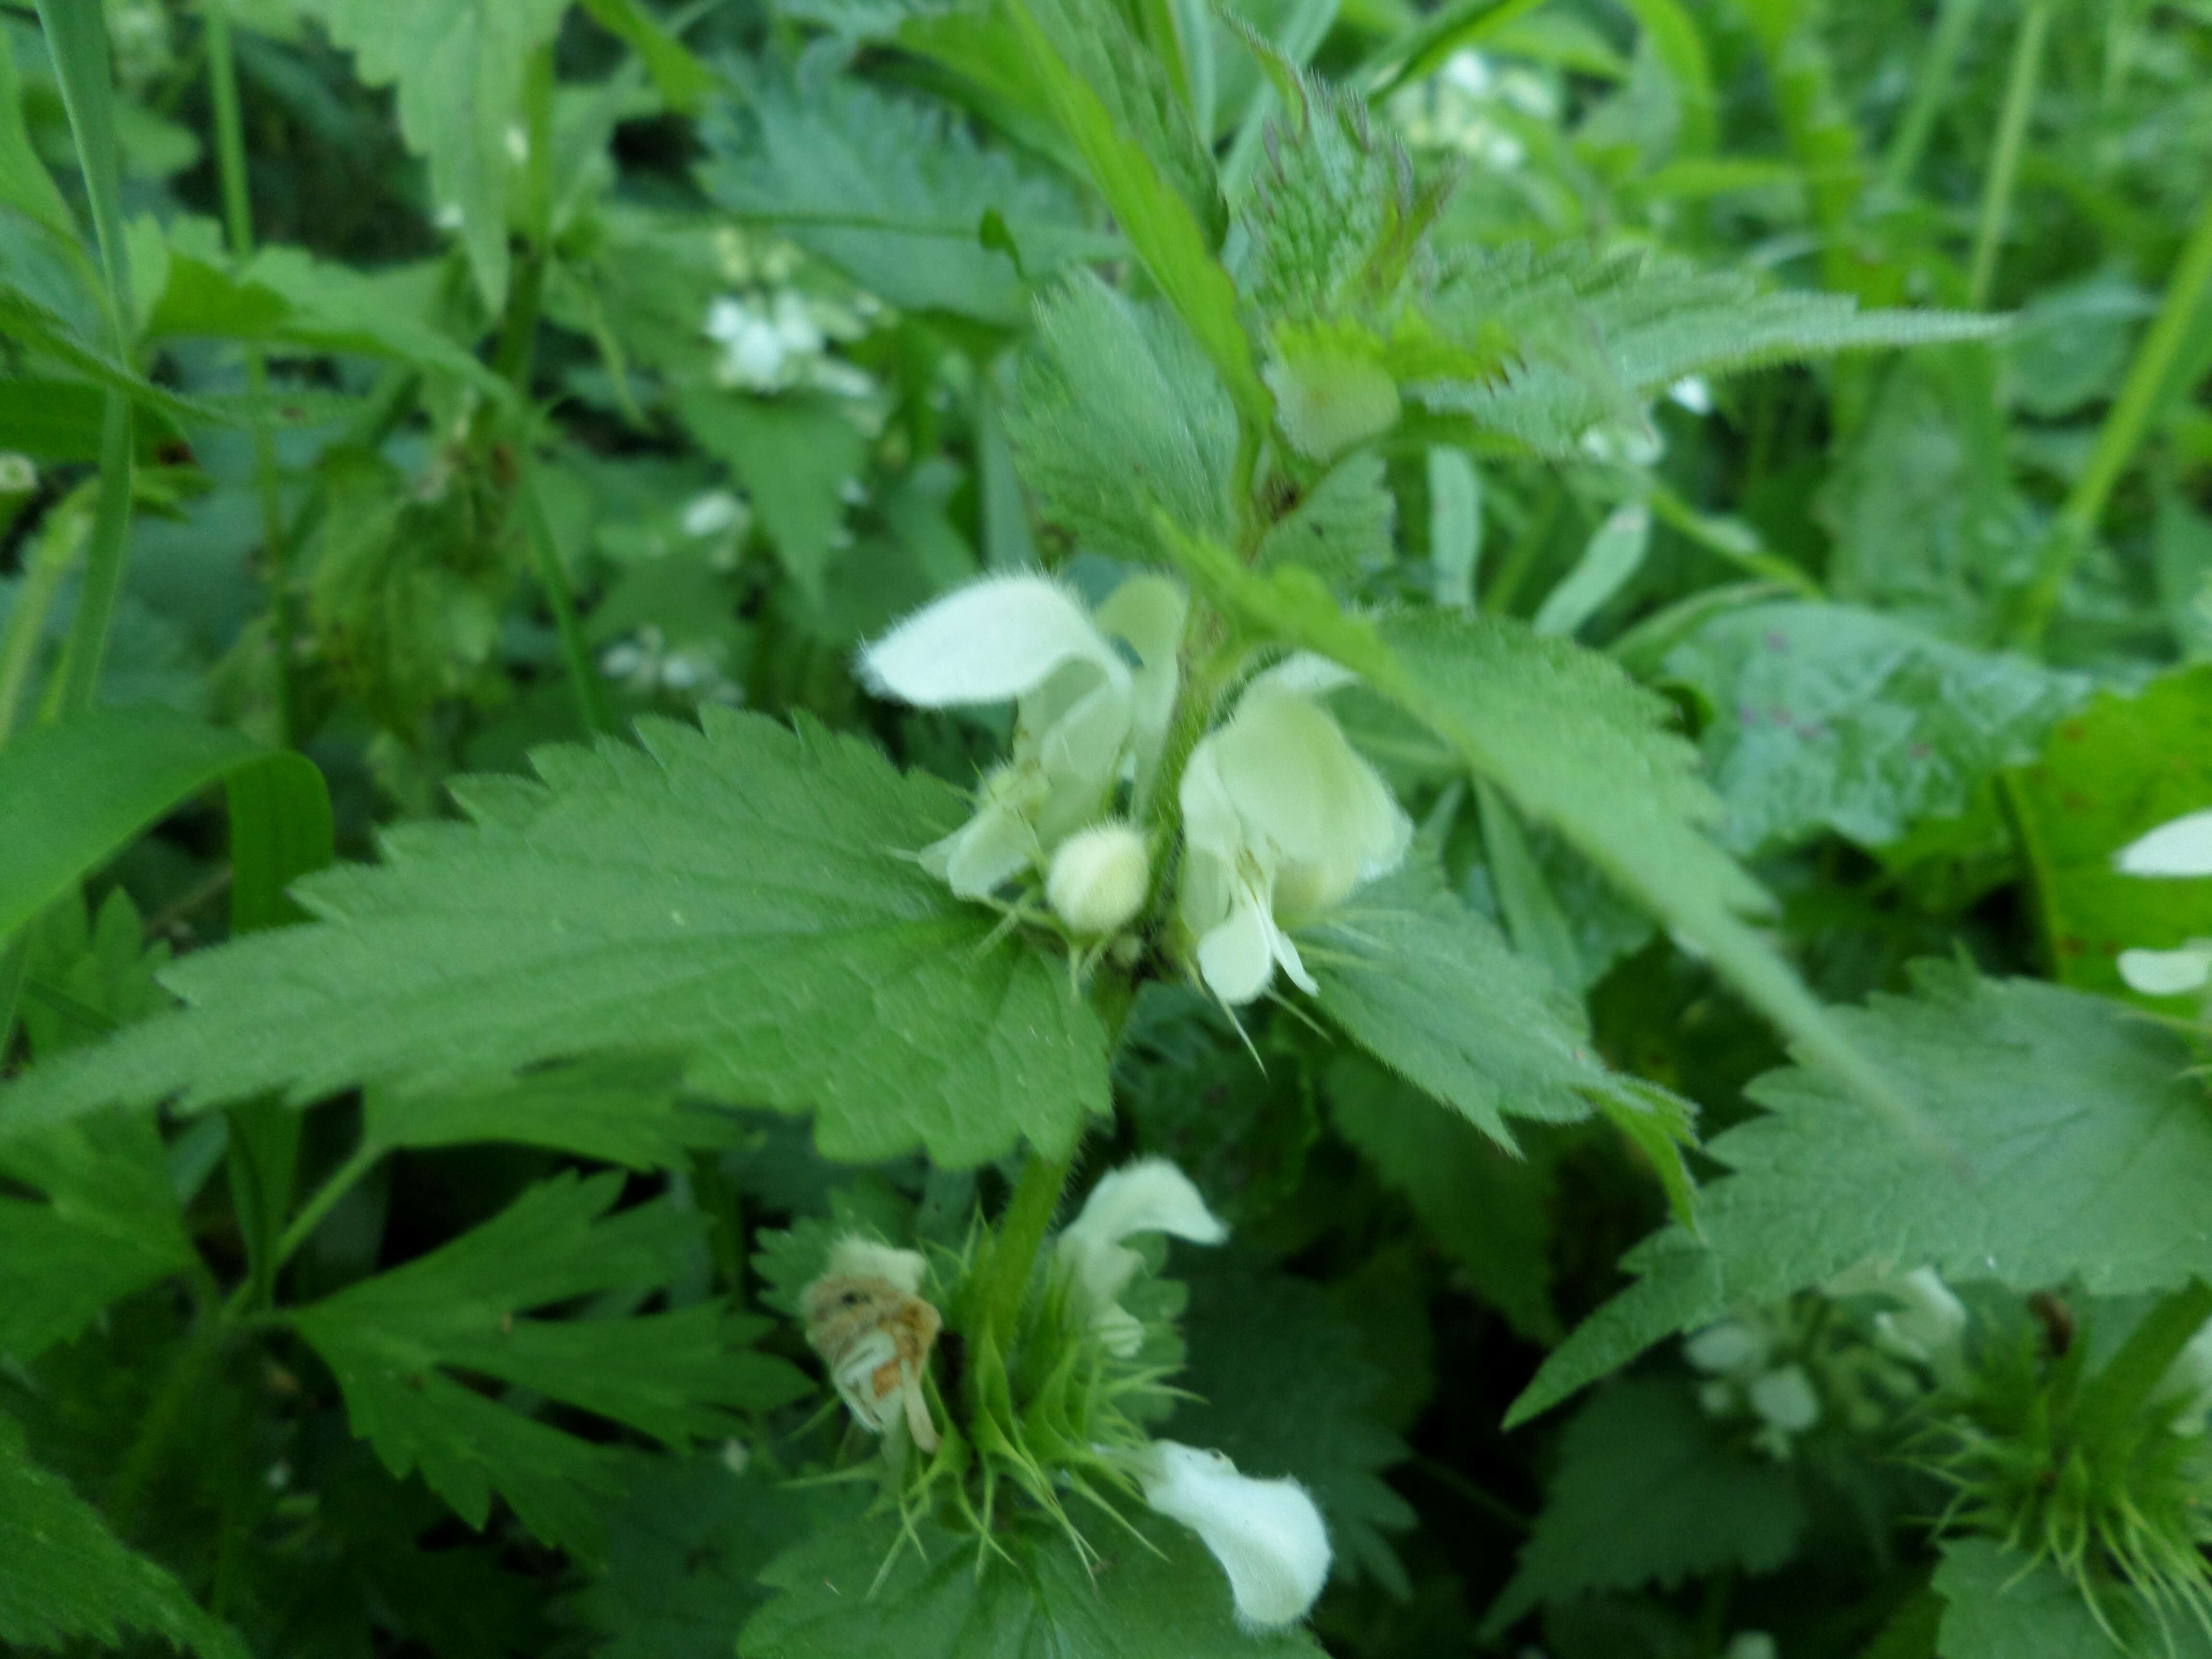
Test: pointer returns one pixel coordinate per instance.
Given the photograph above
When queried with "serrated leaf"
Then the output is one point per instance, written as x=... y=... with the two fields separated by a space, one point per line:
x=1342 y=529
x=1650 y=1492
x=623 y=1111
x=1284 y=1385
x=2081 y=1153
x=1999 y=1604
x=93 y=1219
x=794 y=454
x=740 y=898
x=1489 y=1213
x=394 y=1340
x=456 y=68
x=1830 y=717
x=2114 y=772
x=68 y=1577
x=1432 y=988
x=891 y=190
x=939 y=1601
x=1117 y=421
x=1594 y=336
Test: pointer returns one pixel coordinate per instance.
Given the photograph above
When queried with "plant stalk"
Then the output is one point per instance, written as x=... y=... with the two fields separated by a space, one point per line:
x=1910 y=141
x=1022 y=1229
x=2128 y=1381
x=2004 y=164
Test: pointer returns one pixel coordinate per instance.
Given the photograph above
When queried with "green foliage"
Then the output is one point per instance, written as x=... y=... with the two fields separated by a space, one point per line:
x=1829 y=717
x=2032 y=1191
x=1995 y=1608
x=1650 y=1491
x=394 y=1340
x=68 y=1577
x=760 y=841
x=861 y=1591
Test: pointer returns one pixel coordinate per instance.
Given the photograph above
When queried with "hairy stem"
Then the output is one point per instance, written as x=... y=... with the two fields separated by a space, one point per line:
x=1022 y=1228
x=2128 y=1381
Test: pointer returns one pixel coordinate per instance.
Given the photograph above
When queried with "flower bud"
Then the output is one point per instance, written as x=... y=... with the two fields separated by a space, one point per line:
x=1267 y=1535
x=1785 y=1398
x=1098 y=879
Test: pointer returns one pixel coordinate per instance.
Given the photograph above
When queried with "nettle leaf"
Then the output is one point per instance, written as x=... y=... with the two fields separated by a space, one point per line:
x=1432 y=989
x=2118 y=769
x=794 y=454
x=892 y=191
x=68 y=1577
x=1487 y=1210
x=620 y=1110
x=1118 y=420
x=1158 y=1596
x=1344 y=527
x=1594 y=336
x=393 y=1341
x=2081 y=1151
x=1651 y=1491
x=740 y=897
x=457 y=68
x=1999 y=1604
x=100 y=1222
x=1285 y=1385
x=1826 y=716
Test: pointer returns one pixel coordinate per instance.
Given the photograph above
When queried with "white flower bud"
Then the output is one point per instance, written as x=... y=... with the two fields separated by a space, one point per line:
x=1267 y=1535
x=1099 y=878
x=2180 y=848
x=1729 y=1346
x=2167 y=973
x=1786 y=1398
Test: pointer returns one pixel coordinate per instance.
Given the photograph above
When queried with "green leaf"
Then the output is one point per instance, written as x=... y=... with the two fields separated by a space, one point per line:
x=1596 y=336
x=93 y=1219
x=1344 y=527
x=1432 y=988
x=1118 y=420
x=619 y=1110
x=683 y=81
x=1489 y=1211
x=741 y=898
x=1110 y=100
x=2080 y=1149
x=393 y=1341
x=2119 y=768
x=1161 y=1597
x=794 y=454
x=1649 y=1491
x=75 y=792
x=456 y=68
x=25 y=184
x=1830 y=717
x=1999 y=1604
x=891 y=190
x=69 y=1576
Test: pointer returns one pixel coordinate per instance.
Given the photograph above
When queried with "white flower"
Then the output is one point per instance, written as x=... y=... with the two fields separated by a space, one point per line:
x=2187 y=1384
x=2168 y=973
x=1098 y=878
x=2180 y=848
x=1281 y=819
x=755 y=353
x=1267 y=1535
x=1149 y=1196
x=1784 y=1398
x=1729 y=1349
x=1085 y=719
x=1929 y=1321
x=714 y=511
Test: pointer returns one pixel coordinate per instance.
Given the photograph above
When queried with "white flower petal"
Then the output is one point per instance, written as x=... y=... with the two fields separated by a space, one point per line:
x=2167 y=973
x=989 y=642
x=1236 y=959
x=1785 y=1398
x=1307 y=674
x=2181 y=847
x=853 y=1257
x=1149 y=1196
x=1298 y=782
x=1267 y=1535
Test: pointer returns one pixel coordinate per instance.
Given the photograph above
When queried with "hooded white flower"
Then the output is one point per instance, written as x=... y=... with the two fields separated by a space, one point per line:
x=1267 y=1535
x=1281 y=819
x=1928 y=1319
x=1084 y=718
x=2182 y=846
x=2168 y=973
x=1149 y=1196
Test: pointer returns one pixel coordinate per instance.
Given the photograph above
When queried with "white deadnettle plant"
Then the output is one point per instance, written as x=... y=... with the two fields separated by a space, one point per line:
x=1281 y=820
x=2181 y=847
x=1088 y=717
x=1149 y=1196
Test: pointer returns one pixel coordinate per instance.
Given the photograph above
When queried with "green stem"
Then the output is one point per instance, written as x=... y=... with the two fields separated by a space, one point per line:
x=716 y=1195
x=561 y=598
x=164 y=1419
x=58 y=543
x=1910 y=139
x=2126 y=1384
x=2004 y=164
x=341 y=1181
x=103 y=565
x=238 y=219
x=2123 y=432
x=1022 y=1229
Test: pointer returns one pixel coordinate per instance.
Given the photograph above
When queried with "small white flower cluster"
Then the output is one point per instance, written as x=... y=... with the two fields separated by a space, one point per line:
x=774 y=336
x=645 y=664
x=2180 y=848
x=1268 y=1535
x=1461 y=106
x=1281 y=819
x=1768 y=1365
